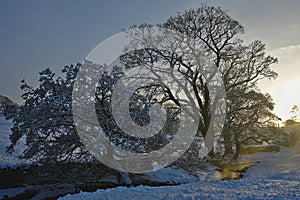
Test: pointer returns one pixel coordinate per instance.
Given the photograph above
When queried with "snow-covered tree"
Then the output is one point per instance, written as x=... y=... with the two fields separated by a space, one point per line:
x=46 y=120
x=140 y=105
x=7 y=105
x=212 y=42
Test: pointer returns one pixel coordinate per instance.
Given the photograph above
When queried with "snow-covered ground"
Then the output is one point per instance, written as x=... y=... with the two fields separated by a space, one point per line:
x=10 y=192
x=8 y=159
x=240 y=189
x=283 y=165
x=277 y=176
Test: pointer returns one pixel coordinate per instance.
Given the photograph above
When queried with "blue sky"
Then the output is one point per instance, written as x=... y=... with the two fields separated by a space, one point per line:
x=39 y=34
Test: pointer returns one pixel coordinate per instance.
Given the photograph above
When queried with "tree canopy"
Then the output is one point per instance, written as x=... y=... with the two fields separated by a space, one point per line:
x=211 y=43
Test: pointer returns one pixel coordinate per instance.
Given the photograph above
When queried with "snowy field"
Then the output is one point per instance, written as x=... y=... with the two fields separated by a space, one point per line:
x=240 y=189
x=277 y=176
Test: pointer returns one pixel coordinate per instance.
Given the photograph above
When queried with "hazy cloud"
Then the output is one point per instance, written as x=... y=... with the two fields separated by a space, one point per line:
x=289 y=52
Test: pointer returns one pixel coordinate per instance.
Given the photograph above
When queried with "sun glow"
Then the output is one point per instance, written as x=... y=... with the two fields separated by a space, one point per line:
x=285 y=94
x=285 y=90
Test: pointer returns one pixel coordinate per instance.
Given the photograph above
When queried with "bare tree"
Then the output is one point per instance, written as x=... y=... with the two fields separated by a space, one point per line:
x=208 y=44
x=249 y=119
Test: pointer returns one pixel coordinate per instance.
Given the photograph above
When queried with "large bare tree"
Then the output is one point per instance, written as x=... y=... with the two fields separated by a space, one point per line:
x=208 y=45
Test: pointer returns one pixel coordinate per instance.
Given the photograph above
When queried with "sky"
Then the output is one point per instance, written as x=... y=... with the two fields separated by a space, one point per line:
x=38 y=34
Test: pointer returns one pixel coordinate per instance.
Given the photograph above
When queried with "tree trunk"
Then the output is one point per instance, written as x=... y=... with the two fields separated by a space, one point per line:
x=237 y=152
x=237 y=147
x=228 y=144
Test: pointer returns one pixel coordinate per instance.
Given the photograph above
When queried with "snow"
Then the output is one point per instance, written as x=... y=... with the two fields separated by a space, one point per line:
x=7 y=159
x=240 y=189
x=174 y=176
x=277 y=176
x=49 y=191
x=11 y=192
x=283 y=165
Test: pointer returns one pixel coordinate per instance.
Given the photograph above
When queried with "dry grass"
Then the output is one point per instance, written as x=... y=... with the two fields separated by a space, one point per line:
x=231 y=170
x=259 y=148
x=234 y=171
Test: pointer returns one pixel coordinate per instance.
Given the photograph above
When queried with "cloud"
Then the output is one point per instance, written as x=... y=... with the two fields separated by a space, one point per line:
x=289 y=52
